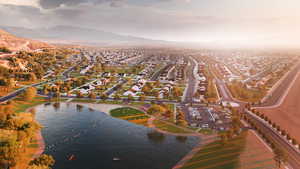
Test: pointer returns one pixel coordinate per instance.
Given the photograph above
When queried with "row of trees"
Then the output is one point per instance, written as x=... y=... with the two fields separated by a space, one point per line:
x=280 y=155
x=283 y=132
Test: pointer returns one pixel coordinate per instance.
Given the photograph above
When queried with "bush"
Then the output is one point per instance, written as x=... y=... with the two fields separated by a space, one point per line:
x=4 y=50
x=43 y=160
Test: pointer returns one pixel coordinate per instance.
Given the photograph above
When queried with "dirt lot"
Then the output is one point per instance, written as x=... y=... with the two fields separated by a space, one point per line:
x=287 y=115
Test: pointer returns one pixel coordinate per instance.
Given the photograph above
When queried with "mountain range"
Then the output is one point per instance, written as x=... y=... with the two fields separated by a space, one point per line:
x=78 y=35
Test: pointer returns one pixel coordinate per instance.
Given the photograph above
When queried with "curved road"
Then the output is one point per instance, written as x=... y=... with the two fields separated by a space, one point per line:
x=276 y=98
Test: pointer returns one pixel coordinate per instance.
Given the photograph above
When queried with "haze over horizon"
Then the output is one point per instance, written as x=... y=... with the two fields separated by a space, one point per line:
x=255 y=22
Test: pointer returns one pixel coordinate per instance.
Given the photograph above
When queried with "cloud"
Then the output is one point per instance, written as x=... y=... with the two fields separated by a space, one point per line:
x=34 y=3
x=48 y=4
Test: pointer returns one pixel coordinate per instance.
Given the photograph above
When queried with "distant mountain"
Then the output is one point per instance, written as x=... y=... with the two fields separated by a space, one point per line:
x=77 y=35
x=15 y=43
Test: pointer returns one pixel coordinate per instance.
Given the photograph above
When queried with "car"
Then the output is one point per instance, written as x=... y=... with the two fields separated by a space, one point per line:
x=204 y=126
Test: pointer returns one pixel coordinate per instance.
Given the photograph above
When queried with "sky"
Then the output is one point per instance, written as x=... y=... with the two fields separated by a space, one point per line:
x=222 y=21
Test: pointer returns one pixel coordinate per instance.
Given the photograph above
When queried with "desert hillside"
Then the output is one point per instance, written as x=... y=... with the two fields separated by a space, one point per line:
x=16 y=44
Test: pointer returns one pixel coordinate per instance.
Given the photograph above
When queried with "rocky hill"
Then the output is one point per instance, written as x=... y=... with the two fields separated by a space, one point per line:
x=14 y=43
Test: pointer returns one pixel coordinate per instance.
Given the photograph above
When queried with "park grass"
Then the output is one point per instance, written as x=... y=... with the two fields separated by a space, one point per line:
x=167 y=127
x=22 y=106
x=247 y=95
x=217 y=155
x=131 y=115
x=125 y=111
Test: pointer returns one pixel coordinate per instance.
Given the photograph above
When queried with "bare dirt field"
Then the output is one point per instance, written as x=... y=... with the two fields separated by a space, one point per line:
x=287 y=115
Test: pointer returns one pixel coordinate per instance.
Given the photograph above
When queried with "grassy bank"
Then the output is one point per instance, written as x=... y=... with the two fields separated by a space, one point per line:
x=168 y=127
x=218 y=155
x=131 y=115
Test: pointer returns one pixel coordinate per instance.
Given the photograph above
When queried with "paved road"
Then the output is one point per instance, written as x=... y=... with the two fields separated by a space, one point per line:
x=292 y=153
x=18 y=91
x=21 y=90
x=224 y=91
x=191 y=84
x=157 y=73
x=279 y=92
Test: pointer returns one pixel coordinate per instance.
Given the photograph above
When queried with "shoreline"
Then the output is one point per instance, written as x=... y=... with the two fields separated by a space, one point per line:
x=41 y=143
x=106 y=108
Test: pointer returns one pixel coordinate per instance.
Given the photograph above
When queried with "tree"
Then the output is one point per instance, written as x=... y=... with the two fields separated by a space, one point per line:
x=29 y=94
x=283 y=132
x=104 y=96
x=33 y=77
x=117 y=96
x=130 y=97
x=43 y=160
x=181 y=119
x=10 y=83
x=157 y=83
x=142 y=97
x=79 y=94
x=294 y=141
x=279 y=157
x=4 y=50
x=177 y=92
x=156 y=109
x=146 y=89
x=92 y=95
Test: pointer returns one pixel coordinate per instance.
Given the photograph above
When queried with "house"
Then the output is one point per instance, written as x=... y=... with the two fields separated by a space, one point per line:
x=129 y=92
x=136 y=88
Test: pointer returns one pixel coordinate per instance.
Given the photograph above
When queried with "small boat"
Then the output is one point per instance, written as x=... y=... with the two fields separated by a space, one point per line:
x=72 y=157
x=116 y=159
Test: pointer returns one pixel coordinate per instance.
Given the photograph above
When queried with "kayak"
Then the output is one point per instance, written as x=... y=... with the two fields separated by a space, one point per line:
x=72 y=157
x=116 y=159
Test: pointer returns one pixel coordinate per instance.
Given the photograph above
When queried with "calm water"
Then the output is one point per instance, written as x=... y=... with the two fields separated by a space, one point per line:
x=95 y=138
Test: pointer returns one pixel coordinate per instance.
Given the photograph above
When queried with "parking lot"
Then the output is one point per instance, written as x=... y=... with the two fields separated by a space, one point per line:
x=208 y=117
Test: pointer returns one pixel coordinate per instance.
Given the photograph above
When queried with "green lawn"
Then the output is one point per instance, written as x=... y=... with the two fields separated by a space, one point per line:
x=22 y=107
x=218 y=156
x=137 y=117
x=125 y=111
x=167 y=127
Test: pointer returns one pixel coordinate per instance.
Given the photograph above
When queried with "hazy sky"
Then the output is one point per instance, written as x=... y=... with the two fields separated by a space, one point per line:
x=271 y=21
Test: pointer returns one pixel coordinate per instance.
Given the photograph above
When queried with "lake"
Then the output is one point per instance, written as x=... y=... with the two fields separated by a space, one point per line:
x=94 y=138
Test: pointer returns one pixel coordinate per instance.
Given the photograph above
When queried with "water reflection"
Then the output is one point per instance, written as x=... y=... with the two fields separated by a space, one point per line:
x=156 y=137
x=181 y=139
x=79 y=107
x=56 y=106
